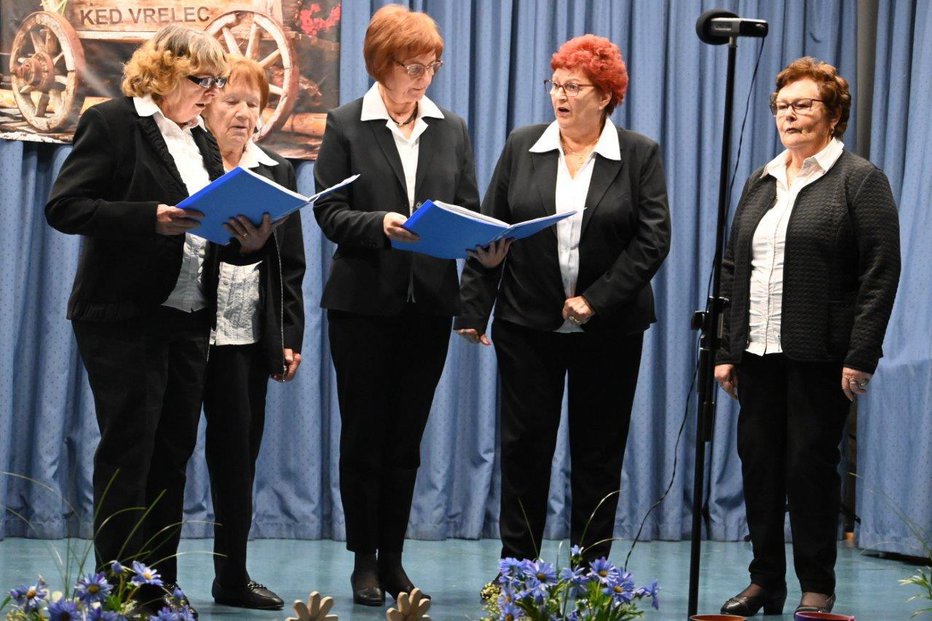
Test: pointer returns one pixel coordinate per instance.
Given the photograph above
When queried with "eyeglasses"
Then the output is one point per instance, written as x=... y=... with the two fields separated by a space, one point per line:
x=570 y=88
x=208 y=81
x=800 y=106
x=416 y=70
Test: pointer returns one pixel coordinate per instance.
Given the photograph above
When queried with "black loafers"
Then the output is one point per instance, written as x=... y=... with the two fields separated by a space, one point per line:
x=253 y=595
x=394 y=589
x=745 y=604
x=365 y=592
x=816 y=602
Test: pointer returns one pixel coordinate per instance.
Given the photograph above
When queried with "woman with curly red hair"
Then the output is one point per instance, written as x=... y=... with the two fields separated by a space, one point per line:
x=572 y=301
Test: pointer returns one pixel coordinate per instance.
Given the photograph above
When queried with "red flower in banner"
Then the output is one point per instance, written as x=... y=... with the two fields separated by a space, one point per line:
x=312 y=25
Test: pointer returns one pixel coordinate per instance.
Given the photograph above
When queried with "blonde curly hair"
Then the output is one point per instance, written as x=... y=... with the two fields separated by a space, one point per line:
x=173 y=53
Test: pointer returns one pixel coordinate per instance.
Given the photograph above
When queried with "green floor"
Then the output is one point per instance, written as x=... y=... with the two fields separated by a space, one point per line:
x=453 y=572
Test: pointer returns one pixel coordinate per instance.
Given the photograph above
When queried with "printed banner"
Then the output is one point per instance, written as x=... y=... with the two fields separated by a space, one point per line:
x=57 y=57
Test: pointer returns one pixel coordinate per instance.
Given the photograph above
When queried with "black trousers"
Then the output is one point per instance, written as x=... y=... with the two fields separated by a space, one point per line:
x=147 y=376
x=234 y=407
x=387 y=369
x=789 y=428
x=603 y=371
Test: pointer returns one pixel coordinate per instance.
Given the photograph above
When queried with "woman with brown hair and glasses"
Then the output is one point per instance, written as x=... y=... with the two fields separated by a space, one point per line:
x=811 y=269
x=389 y=311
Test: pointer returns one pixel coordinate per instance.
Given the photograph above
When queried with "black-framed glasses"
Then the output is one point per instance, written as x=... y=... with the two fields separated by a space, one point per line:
x=206 y=82
x=570 y=88
x=800 y=106
x=416 y=70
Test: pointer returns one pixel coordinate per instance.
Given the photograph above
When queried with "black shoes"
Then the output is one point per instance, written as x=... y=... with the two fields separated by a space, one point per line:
x=392 y=576
x=254 y=596
x=816 y=602
x=753 y=598
x=394 y=586
x=366 y=589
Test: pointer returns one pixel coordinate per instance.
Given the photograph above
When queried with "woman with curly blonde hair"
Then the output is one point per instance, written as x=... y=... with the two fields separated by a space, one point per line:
x=144 y=294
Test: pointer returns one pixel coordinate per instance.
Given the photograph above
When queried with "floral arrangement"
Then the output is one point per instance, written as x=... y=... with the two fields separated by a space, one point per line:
x=595 y=591
x=103 y=596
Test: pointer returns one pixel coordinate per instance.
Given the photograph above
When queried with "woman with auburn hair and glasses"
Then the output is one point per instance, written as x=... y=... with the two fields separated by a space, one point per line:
x=258 y=334
x=144 y=294
x=811 y=269
x=573 y=301
x=389 y=311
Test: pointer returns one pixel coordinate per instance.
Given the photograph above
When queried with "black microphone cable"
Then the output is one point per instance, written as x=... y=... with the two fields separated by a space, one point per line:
x=692 y=385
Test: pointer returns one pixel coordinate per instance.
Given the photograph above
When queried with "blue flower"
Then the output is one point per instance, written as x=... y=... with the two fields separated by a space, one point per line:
x=30 y=598
x=509 y=612
x=63 y=610
x=605 y=572
x=145 y=575
x=166 y=614
x=92 y=588
x=186 y=614
x=545 y=572
x=650 y=591
x=509 y=568
x=116 y=568
x=576 y=579
x=99 y=614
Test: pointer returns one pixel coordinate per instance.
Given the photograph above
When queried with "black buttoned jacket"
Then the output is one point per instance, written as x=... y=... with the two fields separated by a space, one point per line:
x=841 y=266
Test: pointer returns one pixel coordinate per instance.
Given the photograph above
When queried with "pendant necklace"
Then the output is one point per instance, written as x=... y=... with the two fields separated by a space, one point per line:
x=407 y=120
x=578 y=157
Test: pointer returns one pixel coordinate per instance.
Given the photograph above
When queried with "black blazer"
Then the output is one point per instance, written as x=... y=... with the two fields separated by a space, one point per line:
x=119 y=170
x=368 y=276
x=281 y=276
x=841 y=267
x=625 y=237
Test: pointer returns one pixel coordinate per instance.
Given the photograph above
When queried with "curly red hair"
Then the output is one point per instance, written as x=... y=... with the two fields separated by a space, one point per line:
x=600 y=60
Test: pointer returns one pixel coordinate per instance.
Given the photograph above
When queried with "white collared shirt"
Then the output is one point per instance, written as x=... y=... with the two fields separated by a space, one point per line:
x=769 y=246
x=188 y=294
x=571 y=193
x=373 y=108
x=238 y=319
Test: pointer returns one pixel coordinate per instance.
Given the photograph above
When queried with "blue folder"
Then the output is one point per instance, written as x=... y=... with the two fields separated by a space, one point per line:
x=243 y=192
x=448 y=231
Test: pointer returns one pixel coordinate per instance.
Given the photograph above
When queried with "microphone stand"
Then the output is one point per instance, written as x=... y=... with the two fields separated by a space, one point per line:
x=709 y=322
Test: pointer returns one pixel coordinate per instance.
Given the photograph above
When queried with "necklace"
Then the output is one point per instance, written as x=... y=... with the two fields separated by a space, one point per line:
x=580 y=155
x=407 y=120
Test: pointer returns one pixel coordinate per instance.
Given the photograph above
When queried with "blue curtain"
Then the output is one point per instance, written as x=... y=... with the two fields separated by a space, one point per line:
x=895 y=429
x=497 y=55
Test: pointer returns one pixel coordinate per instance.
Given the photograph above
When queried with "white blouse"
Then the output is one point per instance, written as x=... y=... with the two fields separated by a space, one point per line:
x=570 y=193
x=769 y=245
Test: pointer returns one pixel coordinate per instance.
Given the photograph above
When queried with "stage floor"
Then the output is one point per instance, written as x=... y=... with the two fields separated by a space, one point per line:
x=453 y=571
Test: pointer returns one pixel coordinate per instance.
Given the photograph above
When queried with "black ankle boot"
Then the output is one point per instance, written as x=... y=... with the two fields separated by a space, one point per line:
x=365 y=581
x=746 y=605
x=392 y=576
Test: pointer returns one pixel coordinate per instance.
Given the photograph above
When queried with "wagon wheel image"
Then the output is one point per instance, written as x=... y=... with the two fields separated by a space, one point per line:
x=45 y=61
x=259 y=37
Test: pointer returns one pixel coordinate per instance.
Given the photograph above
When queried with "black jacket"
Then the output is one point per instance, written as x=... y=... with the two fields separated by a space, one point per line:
x=119 y=170
x=367 y=276
x=841 y=266
x=624 y=239
x=281 y=276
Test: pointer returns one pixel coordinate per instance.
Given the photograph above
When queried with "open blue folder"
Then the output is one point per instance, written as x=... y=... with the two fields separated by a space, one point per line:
x=243 y=192
x=448 y=231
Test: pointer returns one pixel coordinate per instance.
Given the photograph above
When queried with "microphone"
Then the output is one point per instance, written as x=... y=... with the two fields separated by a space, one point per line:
x=717 y=26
